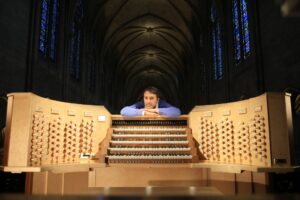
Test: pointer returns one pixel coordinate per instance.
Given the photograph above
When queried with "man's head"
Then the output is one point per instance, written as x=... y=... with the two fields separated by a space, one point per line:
x=151 y=97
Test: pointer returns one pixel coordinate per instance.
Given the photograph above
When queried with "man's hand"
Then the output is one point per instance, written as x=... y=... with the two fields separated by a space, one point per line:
x=148 y=113
x=152 y=110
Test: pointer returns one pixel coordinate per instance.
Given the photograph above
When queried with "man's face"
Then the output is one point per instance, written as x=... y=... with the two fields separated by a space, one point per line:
x=150 y=100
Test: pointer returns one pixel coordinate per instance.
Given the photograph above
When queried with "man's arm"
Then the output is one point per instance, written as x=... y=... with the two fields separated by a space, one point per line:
x=169 y=111
x=131 y=111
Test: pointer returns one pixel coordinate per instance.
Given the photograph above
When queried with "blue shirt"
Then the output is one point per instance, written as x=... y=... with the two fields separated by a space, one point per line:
x=164 y=108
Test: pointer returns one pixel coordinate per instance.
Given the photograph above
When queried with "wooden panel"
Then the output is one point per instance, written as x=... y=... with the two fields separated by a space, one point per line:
x=55 y=184
x=224 y=182
x=19 y=125
x=46 y=183
x=142 y=177
x=260 y=182
x=154 y=191
x=81 y=180
x=39 y=183
x=244 y=183
x=78 y=183
x=7 y=130
x=279 y=130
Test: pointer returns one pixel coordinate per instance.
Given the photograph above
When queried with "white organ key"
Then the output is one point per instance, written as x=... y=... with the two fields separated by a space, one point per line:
x=150 y=149
x=148 y=135
x=150 y=157
x=149 y=129
x=149 y=142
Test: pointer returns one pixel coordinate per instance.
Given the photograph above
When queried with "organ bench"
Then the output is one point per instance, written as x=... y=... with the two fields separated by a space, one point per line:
x=57 y=143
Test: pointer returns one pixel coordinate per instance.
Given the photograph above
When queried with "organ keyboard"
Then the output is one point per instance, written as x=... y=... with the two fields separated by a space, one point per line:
x=146 y=141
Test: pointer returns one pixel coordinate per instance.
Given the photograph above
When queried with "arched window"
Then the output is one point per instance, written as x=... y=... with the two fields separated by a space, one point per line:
x=241 y=34
x=76 y=41
x=217 y=49
x=49 y=28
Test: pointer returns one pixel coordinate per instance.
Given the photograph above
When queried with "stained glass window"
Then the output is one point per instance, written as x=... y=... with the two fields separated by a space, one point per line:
x=75 y=47
x=241 y=33
x=54 y=26
x=44 y=26
x=217 y=49
x=49 y=28
x=245 y=28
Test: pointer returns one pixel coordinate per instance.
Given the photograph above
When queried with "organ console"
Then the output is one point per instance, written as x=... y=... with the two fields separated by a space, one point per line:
x=44 y=135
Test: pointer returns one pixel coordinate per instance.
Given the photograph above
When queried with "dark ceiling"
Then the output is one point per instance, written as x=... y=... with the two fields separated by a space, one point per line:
x=146 y=42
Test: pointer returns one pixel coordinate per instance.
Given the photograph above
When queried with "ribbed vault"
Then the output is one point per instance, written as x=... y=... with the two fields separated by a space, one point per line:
x=145 y=42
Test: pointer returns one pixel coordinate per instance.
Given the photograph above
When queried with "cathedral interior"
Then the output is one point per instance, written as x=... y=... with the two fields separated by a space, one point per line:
x=106 y=52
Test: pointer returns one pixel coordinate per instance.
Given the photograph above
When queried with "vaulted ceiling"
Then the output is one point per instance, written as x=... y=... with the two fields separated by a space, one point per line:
x=146 y=42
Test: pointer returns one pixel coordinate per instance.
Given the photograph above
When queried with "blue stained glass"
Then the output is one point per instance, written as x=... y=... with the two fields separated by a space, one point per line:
x=241 y=34
x=44 y=26
x=236 y=31
x=48 y=28
x=216 y=45
x=213 y=14
x=54 y=25
x=246 y=35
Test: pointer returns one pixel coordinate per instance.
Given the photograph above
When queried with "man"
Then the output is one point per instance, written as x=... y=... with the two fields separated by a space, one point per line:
x=151 y=105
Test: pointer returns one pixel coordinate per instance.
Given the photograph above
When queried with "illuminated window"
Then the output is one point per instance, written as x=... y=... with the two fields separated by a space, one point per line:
x=241 y=35
x=49 y=28
x=217 y=54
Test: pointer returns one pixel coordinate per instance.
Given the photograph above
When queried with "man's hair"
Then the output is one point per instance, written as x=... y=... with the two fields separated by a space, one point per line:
x=152 y=90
